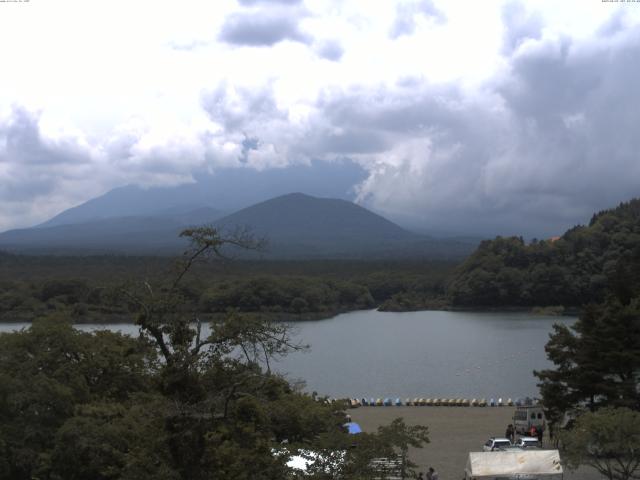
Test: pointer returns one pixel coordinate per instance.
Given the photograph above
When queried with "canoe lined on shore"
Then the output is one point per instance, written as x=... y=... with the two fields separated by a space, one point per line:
x=429 y=402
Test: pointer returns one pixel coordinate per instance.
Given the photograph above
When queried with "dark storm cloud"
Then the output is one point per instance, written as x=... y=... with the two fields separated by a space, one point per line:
x=580 y=114
x=34 y=167
x=248 y=144
x=519 y=25
x=262 y=29
x=30 y=162
x=406 y=13
x=400 y=111
x=24 y=144
x=532 y=152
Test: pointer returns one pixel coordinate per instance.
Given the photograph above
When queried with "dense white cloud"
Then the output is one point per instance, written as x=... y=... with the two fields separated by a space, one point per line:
x=534 y=151
x=408 y=13
x=500 y=117
x=520 y=24
x=277 y=2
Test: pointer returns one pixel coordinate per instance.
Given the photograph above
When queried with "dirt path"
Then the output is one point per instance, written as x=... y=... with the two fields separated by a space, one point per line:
x=453 y=431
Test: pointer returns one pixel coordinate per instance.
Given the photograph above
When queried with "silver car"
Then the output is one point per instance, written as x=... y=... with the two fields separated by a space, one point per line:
x=527 y=442
x=496 y=443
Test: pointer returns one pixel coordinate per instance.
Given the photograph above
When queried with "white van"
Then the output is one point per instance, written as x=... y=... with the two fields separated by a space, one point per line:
x=526 y=416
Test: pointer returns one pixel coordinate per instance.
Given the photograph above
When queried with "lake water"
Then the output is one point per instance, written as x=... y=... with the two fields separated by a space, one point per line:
x=417 y=354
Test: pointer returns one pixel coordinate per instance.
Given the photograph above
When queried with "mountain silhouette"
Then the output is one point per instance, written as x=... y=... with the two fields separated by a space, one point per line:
x=295 y=225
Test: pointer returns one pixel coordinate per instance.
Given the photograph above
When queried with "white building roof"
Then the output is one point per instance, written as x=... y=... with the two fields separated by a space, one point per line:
x=514 y=463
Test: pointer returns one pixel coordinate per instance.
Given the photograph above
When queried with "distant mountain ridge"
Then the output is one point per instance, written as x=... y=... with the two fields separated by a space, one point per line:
x=296 y=226
x=226 y=190
x=131 y=235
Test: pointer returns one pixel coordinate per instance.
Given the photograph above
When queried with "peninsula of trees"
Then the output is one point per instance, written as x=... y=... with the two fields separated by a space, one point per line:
x=572 y=270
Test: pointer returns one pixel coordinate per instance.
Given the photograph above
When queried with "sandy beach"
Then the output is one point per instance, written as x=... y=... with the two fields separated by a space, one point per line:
x=453 y=431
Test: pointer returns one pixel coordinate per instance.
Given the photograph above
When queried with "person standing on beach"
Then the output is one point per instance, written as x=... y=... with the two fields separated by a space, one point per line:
x=541 y=432
x=432 y=474
x=510 y=433
x=551 y=439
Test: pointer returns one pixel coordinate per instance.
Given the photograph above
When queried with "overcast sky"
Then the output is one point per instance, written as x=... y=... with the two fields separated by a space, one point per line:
x=492 y=116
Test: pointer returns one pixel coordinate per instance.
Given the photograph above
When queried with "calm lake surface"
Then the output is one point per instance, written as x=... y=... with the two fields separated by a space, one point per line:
x=415 y=354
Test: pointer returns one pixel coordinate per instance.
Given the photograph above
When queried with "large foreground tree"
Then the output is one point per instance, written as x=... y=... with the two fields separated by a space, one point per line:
x=607 y=440
x=597 y=360
x=187 y=399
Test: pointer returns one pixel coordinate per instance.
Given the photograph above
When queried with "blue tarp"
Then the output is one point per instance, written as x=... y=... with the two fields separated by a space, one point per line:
x=353 y=428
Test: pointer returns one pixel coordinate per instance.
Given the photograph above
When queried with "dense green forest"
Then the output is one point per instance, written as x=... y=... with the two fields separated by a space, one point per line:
x=88 y=288
x=573 y=270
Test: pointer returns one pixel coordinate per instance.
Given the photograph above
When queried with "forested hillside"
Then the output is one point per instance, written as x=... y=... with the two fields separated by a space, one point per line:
x=86 y=288
x=572 y=270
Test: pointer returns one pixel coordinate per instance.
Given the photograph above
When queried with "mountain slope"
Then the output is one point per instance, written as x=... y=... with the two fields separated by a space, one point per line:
x=113 y=235
x=297 y=216
x=295 y=226
x=227 y=189
x=298 y=225
x=133 y=234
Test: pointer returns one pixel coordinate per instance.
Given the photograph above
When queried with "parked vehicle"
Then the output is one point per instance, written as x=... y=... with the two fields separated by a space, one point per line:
x=496 y=443
x=527 y=442
x=527 y=416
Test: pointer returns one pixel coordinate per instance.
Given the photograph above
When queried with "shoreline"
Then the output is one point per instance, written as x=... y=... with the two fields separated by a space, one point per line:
x=318 y=316
x=552 y=310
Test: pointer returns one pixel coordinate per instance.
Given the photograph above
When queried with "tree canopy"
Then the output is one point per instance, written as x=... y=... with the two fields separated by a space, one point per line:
x=597 y=360
x=171 y=403
x=607 y=440
x=572 y=270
